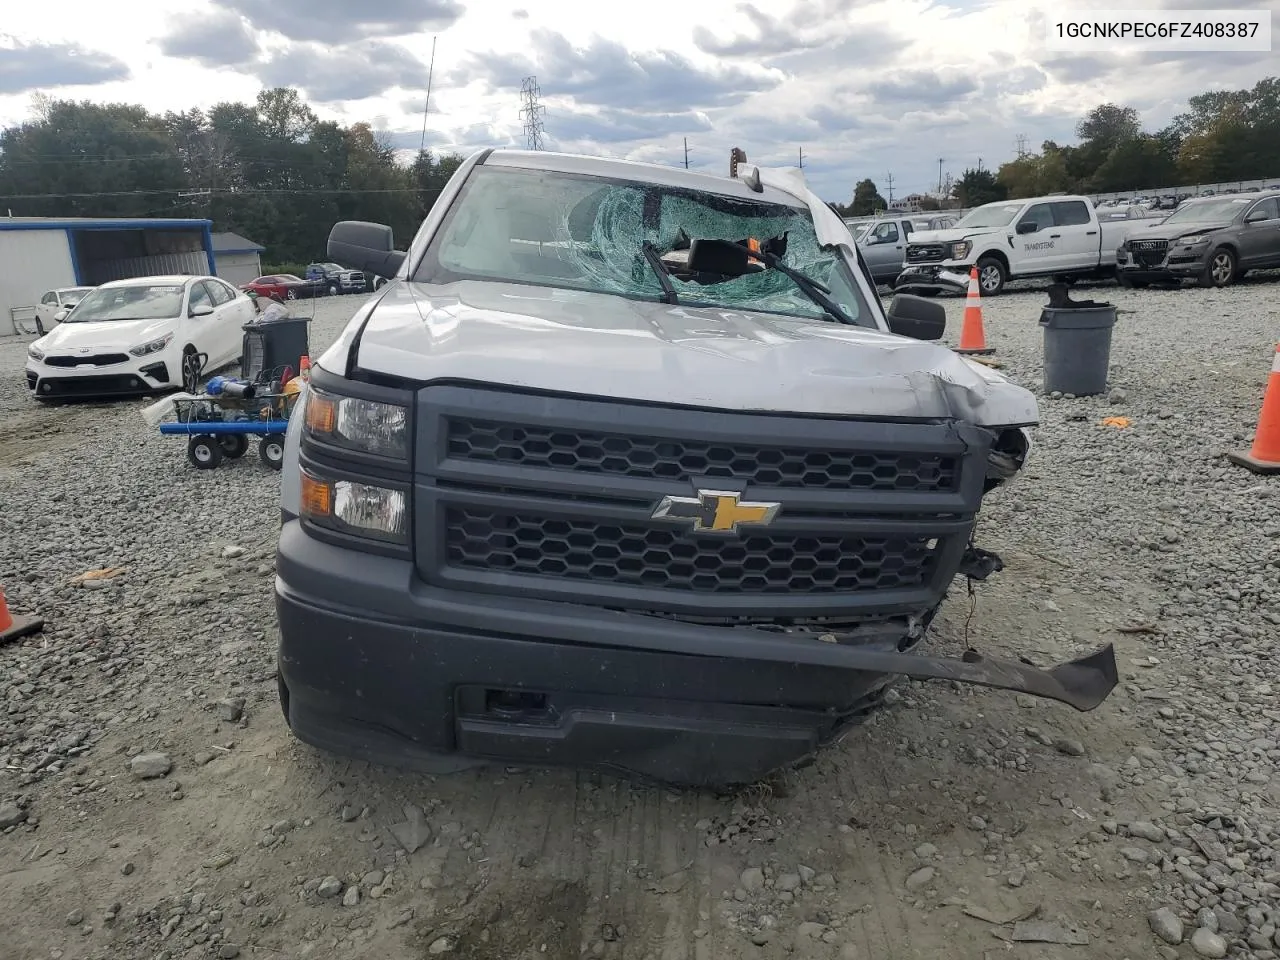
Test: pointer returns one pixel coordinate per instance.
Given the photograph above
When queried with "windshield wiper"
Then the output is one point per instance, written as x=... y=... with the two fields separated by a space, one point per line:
x=660 y=270
x=811 y=288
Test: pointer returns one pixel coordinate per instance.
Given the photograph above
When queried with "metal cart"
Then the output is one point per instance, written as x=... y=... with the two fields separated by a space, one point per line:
x=219 y=427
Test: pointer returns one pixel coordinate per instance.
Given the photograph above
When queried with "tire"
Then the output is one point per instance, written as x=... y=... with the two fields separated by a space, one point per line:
x=1221 y=269
x=271 y=450
x=204 y=452
x=234 y=445
x=991 y=277
x=191 y=370
x=333 y=290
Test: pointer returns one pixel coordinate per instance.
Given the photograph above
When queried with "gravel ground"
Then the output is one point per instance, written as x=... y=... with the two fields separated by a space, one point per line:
x=153 y=805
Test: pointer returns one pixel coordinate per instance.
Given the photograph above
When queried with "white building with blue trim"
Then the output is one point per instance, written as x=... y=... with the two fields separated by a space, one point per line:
x=38 y=254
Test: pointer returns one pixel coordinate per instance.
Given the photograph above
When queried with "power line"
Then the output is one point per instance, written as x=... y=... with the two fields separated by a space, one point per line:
x=427 y=105
x=532 y=112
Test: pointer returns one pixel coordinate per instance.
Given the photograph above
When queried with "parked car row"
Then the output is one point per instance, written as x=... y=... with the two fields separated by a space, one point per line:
x=882 y=242
x=322 y=279
x=1211 y=240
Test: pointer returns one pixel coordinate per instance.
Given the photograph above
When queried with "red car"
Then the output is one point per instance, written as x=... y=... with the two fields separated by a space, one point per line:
x=283 y=286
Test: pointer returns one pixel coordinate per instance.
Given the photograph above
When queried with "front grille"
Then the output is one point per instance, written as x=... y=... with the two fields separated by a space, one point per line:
x=96 y=359
x=1149 y=246
x=635 y=555
x=594 y=452
x=925 y=253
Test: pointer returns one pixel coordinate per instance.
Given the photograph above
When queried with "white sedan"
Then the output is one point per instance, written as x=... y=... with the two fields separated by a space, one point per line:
x=140 y=336
x=55 y=305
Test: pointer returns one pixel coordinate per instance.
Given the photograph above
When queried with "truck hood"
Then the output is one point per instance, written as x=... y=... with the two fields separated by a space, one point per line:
x=601 y=345
x=950 y=236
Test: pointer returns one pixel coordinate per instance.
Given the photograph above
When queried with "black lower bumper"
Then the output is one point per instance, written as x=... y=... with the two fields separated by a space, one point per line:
x=377 y=665
x=1173 y=273
x=91 y=387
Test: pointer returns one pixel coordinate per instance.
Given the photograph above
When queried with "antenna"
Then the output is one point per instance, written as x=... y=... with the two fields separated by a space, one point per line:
x=427 y=106
x=532 y=112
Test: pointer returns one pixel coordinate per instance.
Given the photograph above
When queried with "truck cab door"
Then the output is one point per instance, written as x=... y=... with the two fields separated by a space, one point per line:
x=1259 y=236
x=1037 y=243
x=1079 y=235
x=883 y=250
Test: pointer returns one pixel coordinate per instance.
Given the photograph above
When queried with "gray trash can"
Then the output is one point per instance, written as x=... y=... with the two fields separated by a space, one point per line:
x=1077 y=348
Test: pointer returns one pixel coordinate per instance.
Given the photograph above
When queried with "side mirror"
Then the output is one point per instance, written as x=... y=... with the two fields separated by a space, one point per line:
x=917 y=317
x=366 y=246
x=722 y=257
x=1027 y=226
x=201 y=310
x=61 y=315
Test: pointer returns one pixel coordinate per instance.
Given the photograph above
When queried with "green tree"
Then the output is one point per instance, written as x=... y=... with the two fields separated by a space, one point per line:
x=866 y=199
x=976 y=187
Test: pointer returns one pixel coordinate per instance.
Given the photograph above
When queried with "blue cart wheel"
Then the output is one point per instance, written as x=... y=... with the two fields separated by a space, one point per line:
x=204 y=452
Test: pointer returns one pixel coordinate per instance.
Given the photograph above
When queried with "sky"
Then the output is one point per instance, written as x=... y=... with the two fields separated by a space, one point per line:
x=863 y=89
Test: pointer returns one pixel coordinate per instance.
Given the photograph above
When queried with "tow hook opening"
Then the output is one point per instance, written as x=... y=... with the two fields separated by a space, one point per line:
x=512 y=705
x=1008 y=455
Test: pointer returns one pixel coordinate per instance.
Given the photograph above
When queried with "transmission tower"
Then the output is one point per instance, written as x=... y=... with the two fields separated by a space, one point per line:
x=532 y=112
x=1021 y=142
x=889 y=178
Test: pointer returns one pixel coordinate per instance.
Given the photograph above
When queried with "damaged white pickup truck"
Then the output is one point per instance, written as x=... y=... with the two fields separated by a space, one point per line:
x=628 y=468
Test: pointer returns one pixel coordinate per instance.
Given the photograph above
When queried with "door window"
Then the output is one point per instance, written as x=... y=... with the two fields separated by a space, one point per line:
x=1041 y=214
x=49 y=299
x=220 y=292
x=1071 y=213
x=199 y=296
x=1269 y=206
x=886 y=233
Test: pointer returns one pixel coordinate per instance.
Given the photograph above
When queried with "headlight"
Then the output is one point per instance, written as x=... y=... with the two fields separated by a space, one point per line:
x=1194 y=238
x=961 y=250
x=362 y=425
x=154 y=346
x=359 y=509
x=35 y=353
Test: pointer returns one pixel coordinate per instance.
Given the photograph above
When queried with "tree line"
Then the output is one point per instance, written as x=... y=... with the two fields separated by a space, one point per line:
x=270 y=171
x=1224 y=136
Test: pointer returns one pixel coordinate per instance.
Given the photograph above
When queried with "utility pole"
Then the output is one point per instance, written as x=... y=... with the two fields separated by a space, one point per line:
x=427 y=106
x=940 y=159
x=889 y=180
x=686 y=153
x=802 y=158
x=532 y=112
x=979 y=164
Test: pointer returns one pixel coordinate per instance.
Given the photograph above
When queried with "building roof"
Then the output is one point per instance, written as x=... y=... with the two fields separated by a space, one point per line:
x=101 y=223
x=234 y=243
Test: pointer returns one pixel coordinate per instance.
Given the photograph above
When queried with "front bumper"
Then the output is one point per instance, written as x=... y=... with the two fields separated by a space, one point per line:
x=937 y=277
x=1180 y=262
x=148 y=375
x=376 y=664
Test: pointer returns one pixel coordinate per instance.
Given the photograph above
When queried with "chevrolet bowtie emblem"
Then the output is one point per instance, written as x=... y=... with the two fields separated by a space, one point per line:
x=716 y=511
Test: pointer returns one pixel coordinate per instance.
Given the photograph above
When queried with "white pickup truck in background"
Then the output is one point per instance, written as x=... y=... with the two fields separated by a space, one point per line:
x=1060 y=237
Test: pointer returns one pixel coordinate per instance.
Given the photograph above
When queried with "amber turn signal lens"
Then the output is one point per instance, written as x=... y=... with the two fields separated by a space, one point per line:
x=317 y=497
x=322 y=414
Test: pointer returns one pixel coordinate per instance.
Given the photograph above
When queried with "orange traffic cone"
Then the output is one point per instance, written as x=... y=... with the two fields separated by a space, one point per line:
x=11 y=627
x=1264 y=455
x=972 y=340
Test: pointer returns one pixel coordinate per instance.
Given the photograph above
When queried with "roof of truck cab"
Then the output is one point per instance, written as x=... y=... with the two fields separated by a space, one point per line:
x=637 y=171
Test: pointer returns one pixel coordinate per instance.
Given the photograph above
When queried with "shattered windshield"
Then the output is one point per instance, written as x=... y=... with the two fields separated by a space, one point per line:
x=587 y=233
x=990 y=215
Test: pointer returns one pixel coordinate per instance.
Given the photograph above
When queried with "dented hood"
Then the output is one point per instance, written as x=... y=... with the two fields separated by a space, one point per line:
x=608 y=346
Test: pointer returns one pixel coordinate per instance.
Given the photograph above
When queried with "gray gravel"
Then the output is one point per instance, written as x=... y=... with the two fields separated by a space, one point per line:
x=1165 y=802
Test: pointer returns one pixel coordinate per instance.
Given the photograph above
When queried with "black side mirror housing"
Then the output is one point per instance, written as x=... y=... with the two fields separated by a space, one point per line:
x=917 y=317
x=1027 y=226
x=368 y=247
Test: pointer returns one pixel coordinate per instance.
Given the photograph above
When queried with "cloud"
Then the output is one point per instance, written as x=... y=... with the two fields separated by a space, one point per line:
x=330 y=20
x=349 y=72
x=43 y=66
x=220 y=39
x=620 y=126
x=520 y=14
x=924 y=86
x=606 y=73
